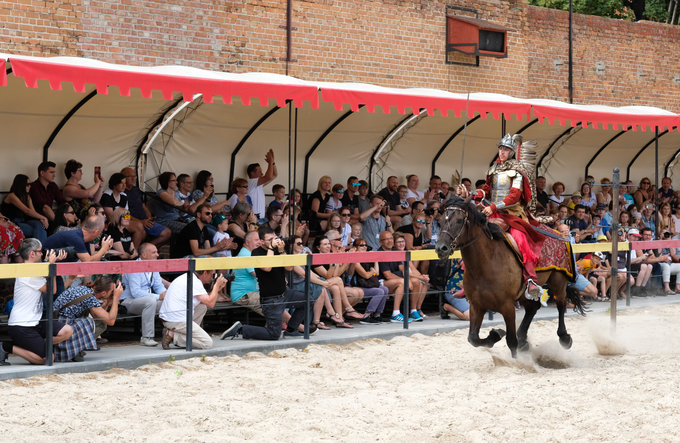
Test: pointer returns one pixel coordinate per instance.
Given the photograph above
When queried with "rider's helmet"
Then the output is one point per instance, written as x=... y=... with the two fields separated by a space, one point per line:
x=511 y=142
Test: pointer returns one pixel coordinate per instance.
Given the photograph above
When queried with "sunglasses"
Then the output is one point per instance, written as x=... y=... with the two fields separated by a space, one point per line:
x=208 y=213
x=346 y=215
x=298 y=243
x=361 y=245
x=340 y=191
x=335 y=239
x=420 y=221
x=356 y=185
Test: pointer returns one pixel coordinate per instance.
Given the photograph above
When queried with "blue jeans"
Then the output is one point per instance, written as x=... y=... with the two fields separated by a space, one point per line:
x=32 y=228
x=272 y=309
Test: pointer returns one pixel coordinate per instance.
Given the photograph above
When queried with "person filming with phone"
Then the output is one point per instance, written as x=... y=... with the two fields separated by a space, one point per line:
x=78 y=242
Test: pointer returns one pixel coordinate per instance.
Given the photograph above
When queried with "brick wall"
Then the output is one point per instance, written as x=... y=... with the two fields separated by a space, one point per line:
x=387 y=42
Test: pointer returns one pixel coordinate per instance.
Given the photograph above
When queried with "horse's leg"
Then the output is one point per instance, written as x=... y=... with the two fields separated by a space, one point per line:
x=509 y=315
x=558 y=284
x=476 y=318
x=530 y=309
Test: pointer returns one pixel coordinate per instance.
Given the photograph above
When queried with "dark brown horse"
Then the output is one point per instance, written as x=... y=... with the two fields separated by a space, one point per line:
x=493 y=277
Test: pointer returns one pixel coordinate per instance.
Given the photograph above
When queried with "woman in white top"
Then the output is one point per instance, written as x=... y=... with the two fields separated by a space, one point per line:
x=557 y=198
x=413 y=194
x=605 y=194
x=587 y=197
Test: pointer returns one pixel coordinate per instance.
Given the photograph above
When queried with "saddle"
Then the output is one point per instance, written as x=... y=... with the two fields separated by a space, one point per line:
x=555 y=255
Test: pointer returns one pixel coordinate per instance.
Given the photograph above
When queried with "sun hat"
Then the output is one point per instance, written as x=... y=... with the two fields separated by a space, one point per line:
x=602 y=237
x=599 y=254
x=634 y=231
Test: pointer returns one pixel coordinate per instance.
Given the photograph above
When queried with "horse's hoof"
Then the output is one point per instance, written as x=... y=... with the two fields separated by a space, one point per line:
x=566 y=341
x=523 y=347
x=496 y=334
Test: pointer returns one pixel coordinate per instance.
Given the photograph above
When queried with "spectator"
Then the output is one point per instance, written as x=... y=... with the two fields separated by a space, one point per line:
x=77 y=194
x=115 y=196
x=666 y=222
x=403 y=201
x=638 y=266
x=167 y=210
x=589 y=267
x=10 y=240
x=334 y=202
x=417 y=206
x=432 y=192
x=318 y=218
x=672 y=266
x=605 y=194
x=244 y=289
x=454 y=296
x=204 y=185
x=644 y=196
x=221 y=224
x=624 y=220
x=274 y=296
x=144 y=293
x=25 y=328
x=344 y=228
x=296 y=198
x=77 y=306
x=557 y=198
x=654 y=257
x=318 y=287
x=588 y=198
x=624 y=279
x=366 y=279
x=625 y=199
x=279 y=192
x=373 y=222
x=364 y=197
x=239 y=223
x=417 y=282
x=173 y=310
x=18 y=207
x=433 y=215
x=336 y=223
x=541 y=196
x=333 y=274
x=676 y=222
x=350 y=198
x=184 y=193
x=141 y=214
x=44 y=192
x=467 y=183
x=78 y=241
x=575 y=200
x=392 y=277
x=390 y=194
x=239 y=192
x=666 y=193
x=413 y=233
x=648 y=218
x=413 y=193
x=583 y=230
x=65 y=219
x=356 y=233
x=123 y=248
x=257 y=180
x=581 y=284
x=194 y=239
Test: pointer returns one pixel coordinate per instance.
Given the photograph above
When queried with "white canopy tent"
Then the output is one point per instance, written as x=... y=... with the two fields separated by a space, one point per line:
x=171 y=118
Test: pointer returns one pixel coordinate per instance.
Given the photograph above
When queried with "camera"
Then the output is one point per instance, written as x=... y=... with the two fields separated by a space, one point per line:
x=667 y=235
x=429 y=211
x=649 y=206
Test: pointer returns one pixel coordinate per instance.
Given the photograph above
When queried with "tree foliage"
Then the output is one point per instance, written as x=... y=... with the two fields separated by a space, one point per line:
x=656 y=10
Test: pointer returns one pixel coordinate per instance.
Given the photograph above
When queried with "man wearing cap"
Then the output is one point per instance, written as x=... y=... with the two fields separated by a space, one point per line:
x=509 y=189
x=575 y=200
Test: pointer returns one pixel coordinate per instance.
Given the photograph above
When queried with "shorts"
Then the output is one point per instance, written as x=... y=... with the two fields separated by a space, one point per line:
x=155 y=230
x=580 y=284
x=459 y=303
x=32 y=338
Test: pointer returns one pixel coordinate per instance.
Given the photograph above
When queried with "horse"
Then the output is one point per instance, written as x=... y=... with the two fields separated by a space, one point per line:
x=493 y=277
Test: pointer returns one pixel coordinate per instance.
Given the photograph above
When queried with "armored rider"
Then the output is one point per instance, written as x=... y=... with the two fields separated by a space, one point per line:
x=508 y=188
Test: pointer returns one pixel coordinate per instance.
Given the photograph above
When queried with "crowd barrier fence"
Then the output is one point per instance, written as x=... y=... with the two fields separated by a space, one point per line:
x=190 y=265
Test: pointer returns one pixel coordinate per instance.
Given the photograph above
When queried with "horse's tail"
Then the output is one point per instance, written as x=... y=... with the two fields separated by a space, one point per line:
x=575 y=299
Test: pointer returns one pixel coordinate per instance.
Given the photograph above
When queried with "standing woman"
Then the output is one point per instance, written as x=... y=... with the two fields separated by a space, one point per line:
x=318 y=217
x=18 y=207
x=76 y=193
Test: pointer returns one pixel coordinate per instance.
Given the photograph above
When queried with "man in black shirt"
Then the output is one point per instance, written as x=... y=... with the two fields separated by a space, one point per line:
x=390 y=194
x=194 y=238
x=541 y=196
x=274 y=296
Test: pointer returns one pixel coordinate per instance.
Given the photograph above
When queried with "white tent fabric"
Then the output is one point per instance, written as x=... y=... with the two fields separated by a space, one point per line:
x=344 y=124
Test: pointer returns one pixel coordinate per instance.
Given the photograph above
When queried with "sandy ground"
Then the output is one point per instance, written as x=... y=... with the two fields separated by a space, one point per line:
x=418 y=388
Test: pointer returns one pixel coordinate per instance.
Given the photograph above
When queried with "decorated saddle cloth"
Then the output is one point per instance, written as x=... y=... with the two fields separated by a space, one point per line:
x=555 y=254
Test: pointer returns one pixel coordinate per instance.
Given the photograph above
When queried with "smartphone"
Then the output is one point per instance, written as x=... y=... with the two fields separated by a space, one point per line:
x=98 y=172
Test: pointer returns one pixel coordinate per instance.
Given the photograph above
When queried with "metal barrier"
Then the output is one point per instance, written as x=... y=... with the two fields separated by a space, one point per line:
x=306 y=260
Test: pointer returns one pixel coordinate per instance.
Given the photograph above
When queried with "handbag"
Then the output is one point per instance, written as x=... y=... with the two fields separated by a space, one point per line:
x=71 y=303
x=370 y=282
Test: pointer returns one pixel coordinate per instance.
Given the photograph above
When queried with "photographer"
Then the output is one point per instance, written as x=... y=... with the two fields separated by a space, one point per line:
x=174 y=308
x=79 y=240
x=374 y=221
x=275 y=297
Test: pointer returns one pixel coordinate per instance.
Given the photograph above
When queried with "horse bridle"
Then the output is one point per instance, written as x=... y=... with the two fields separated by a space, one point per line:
x=449 y=212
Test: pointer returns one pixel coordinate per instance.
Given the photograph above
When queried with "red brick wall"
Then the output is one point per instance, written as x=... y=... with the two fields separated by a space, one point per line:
x=387 y=42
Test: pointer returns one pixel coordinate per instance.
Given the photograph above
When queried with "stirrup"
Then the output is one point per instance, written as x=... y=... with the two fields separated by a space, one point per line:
x=533 y=290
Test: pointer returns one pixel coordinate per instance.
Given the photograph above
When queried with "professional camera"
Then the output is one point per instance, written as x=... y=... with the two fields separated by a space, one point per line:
x=429 y=211
x=667 y=235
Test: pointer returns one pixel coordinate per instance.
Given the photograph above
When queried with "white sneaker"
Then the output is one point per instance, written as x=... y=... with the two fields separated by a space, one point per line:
x=146 y=341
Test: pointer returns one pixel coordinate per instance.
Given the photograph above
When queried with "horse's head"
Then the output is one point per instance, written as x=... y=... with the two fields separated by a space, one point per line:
x=456 y=219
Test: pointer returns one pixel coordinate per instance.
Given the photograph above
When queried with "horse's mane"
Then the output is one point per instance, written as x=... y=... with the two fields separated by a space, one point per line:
x=475 y=217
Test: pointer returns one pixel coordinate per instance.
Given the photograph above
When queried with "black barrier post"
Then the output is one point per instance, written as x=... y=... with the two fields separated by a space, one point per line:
x=190 y=301
x=407 y=293
x=628 y=274
x=308 y=295
x=51 y=275
x=614 y=290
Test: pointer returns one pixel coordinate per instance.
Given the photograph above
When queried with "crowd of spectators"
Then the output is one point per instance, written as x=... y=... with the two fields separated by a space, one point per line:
x=187 y=218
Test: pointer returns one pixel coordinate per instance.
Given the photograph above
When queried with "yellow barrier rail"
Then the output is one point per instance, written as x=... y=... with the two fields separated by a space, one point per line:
x=276 y=261
x=14 y=270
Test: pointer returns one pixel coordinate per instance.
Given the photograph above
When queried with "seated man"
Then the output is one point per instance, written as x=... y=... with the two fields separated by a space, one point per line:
x=244 y=289
x=174 y=309
x=78 y=240
x=25 y=328
x=144 y=293
x=392 y=276
x=275 y=297
x=194 y=239
x=44 y=191
x=373 y=222
x=416 y=206
x=141 y=213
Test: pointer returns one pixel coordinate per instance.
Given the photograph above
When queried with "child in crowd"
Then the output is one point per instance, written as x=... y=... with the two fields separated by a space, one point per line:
x=403 y=193
x=221 y=223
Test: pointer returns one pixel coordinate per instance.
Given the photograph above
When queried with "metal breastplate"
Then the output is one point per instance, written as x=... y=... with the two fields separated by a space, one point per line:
x=501 y=184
